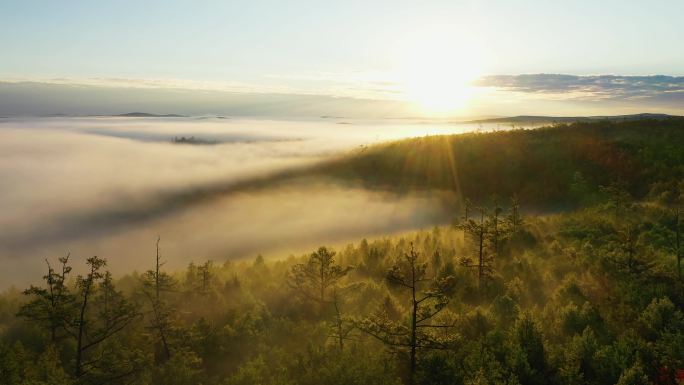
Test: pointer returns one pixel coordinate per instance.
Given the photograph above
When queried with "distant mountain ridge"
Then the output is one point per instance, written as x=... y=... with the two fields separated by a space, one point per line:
x=567 y=119
x=149 y=115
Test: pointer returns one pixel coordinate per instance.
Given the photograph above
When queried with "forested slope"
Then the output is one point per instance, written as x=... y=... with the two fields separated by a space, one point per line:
x=547 y=167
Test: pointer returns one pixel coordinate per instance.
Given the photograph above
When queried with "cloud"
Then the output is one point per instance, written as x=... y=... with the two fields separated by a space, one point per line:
x=591 y=87
x=108 y=186
x=371 y=95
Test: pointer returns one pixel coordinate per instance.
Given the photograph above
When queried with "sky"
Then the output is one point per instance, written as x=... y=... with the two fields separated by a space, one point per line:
x=428 y=57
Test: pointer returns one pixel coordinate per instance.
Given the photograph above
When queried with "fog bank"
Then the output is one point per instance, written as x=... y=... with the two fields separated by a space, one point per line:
x=110 y=186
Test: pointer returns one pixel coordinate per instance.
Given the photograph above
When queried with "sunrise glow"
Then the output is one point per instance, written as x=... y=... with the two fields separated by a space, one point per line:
x=436 y=68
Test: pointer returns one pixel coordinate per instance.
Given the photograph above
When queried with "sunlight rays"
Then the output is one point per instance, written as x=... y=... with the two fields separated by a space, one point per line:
x=437 y=66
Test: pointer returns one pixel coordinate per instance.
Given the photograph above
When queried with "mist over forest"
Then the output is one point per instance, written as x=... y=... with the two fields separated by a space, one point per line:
x=319 y=192
x=111 y=185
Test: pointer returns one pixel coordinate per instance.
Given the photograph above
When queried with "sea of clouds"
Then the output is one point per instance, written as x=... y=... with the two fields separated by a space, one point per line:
x=108 y=186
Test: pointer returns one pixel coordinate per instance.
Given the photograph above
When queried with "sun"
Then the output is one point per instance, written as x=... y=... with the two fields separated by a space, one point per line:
x=436 y=69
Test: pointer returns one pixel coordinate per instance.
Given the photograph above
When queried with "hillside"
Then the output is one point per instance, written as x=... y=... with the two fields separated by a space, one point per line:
x=556 y=166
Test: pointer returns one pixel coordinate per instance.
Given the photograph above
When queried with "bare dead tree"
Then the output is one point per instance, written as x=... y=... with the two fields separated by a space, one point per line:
x=205 y=271
x=677 y=244
x=85 y=285
x=478 y=232
x=341 y=327
x=156 y=282
x=495 y=232
x=467 y=205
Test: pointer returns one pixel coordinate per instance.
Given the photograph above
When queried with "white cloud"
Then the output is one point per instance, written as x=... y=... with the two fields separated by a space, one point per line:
x=590 y=87
x=109 y=186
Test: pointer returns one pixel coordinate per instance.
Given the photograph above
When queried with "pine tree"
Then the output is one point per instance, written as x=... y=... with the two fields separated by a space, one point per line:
x=428 y=297
x=514 y=221
x=314 y=279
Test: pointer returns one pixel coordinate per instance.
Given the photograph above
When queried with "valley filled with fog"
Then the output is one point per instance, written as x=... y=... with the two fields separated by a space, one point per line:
x=101 y=186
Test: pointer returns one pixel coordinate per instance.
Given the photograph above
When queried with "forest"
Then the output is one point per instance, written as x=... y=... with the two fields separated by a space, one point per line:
x=561 y=265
